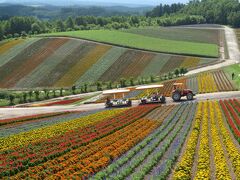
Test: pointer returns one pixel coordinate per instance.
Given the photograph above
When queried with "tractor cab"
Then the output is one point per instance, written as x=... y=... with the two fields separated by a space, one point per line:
x=179 y=92
x=153 y=97
x=117 y=102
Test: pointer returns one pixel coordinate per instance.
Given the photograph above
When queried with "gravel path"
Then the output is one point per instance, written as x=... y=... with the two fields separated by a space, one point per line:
x=16 y=112
x=233 y=51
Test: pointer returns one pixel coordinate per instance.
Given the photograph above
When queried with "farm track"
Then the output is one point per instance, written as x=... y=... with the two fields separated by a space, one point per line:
x=15 y=112
x=233 y=51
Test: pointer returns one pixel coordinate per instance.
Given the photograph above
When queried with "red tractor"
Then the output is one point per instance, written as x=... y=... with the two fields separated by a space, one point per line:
x=179 y=92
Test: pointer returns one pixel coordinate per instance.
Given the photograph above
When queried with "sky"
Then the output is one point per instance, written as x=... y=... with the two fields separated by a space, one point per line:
x=140 y=2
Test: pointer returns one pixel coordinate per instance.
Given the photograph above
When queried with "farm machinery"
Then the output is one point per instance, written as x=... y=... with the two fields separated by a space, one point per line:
x=179 y=92
x=151 y=98
x=122 y=102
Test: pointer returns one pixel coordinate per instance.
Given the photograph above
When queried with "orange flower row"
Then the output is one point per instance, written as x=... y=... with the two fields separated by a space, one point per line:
x=89 y=159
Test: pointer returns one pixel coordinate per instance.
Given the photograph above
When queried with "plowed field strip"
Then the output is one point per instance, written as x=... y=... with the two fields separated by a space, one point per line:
x=32 y=79
x=137 y=66
x=20 y=59
x=6 y=46
x=119 y=66
x=82 y=66
x=62 y=68
x=33 y=62
x=172 y=64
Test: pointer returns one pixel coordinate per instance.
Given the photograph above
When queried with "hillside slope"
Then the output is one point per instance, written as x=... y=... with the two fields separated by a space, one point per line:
x=62 y=62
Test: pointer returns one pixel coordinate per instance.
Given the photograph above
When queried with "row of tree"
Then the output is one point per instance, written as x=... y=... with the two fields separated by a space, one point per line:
x=226 y=12
x=45 y=94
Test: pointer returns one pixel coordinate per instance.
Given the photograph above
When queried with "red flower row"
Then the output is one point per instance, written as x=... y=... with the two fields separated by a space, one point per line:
x=235 y=130
x=36 y=153
x=62 y=102
x=29 y=118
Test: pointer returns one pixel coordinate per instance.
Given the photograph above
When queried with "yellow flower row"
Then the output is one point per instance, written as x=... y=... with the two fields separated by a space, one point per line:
x=203 y=164
x=6 y=46
x=183 y=168
x=54 y=130
x=206 y=83
x=232 y=150
x=220 y=162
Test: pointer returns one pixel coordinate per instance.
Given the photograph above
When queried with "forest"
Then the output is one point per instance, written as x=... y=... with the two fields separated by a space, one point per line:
x=225 y=12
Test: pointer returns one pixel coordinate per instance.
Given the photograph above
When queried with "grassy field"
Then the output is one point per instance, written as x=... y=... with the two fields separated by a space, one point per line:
x=62 y=62
x=180 y=34
x=236 y=70
x=144 y=42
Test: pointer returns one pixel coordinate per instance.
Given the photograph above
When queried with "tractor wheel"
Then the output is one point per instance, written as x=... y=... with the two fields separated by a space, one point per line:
x=109 y=105
x=163 y=99
x=176 y=96
x=130 y=103
x=189 y=96
x=143 y=102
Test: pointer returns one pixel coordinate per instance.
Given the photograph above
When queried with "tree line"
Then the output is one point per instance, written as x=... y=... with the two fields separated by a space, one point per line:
x=226 y=12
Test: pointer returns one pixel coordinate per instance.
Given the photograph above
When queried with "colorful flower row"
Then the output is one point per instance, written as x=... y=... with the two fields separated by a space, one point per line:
x=136 y=155
x=183 y=169
x=57 y=103
x=55 y=130
x=86 y=160
x=203 y=162
x=231 y=148
x=221 y=166
x=16 y=128
x=41 y=151
x=230 y=121
x=206 y=83
x=29 y=118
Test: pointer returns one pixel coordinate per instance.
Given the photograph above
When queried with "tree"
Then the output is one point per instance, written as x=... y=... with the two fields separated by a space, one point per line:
x=176 y=72
x=23 y=34
x=60 y=26
x=85 y=87
x=37 y=93
x=234 y=19
x=109 y=85
x=24 y=97
x=30 y=93
x=61 y=92
x=123 y=82
x=131 y=81
x=73 y=89
x=45 y=93
x=11 y=99
x=152 y=79
x=170 y=75
x=1 y=33
x=99 y=86
x=35 y=28
x=69 y=23
x=54 y=93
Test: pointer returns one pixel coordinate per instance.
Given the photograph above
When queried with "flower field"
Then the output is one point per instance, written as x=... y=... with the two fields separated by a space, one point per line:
x=185 y=141
x=62 y=62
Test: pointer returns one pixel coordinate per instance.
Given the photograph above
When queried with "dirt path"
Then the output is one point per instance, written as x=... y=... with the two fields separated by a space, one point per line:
x=15 y=112
x=233 y=51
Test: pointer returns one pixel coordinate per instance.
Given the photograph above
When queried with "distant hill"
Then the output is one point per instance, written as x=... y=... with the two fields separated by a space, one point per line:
x=43 y=11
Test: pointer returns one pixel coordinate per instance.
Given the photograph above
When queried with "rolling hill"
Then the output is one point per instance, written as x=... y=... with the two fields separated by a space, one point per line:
x=63 y=62
x=144 y=42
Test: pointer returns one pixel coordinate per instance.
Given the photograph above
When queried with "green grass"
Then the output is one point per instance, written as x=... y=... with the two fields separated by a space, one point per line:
x=143 y=42
x=236 y=70
x=180 y=34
